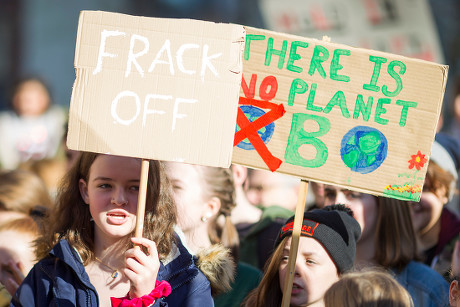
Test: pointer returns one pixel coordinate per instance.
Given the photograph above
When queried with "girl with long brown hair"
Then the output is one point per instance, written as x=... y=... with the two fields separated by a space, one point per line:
x=388 y=241
x=87 y=251
x=326 y=250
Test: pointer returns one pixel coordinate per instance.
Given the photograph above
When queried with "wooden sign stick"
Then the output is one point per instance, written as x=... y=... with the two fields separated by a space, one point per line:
x=298 y=218
x=141 y=199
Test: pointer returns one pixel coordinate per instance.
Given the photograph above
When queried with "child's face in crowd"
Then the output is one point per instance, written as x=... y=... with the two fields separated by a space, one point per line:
x=364 y=207
x=188 y=194
x=268 y=189
x=314 y=272
x=112 y=194
x=428 y=210
x=15 y=248
x=32 y=99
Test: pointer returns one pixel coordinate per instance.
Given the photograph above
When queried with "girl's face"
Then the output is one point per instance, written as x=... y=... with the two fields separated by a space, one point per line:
x=32 y=99
x=112 y=194
x=15 y=247
x=428 y=210
x=188 y=194
x=267 y=189
x=364 y=207
x=314 y=272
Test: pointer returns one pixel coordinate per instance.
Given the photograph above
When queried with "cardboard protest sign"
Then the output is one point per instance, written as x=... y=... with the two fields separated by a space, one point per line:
x=331 y=113
x=156 y=88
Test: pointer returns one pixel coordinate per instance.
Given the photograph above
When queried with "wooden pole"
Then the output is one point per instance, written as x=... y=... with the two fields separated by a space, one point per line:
x=298 y=219
x=141 y=199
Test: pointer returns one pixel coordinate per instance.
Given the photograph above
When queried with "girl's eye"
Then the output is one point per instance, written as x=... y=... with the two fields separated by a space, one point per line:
x=134 y=188
x=330 y=194
x=353 y=195
x=310 y=261
x=104 y=185
x=285 y=258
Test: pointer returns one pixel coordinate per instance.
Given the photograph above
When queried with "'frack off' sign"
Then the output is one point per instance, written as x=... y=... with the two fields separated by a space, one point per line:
x=332 y=113
x=156 y=88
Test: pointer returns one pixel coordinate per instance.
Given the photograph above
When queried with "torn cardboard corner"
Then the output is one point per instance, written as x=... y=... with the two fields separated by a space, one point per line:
x=336 y=114
x=156 y=88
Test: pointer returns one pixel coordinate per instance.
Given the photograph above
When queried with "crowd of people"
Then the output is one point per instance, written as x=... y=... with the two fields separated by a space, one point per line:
x=211 y=236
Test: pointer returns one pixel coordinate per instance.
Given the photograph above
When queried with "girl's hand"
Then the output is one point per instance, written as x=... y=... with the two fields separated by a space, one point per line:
x=12 y=276
x=142 y=269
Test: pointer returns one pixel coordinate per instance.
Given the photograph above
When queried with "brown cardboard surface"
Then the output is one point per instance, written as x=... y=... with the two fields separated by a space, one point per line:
x=156 y=88
x=319 y=134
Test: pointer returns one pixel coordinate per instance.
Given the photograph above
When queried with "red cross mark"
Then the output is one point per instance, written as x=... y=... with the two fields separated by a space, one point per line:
x=249 y=129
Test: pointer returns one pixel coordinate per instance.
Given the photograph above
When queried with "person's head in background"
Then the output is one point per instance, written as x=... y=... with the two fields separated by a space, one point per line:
x=31 y=97
x=265 y=188
x=22 y=191
x=205 y=197
x=369 y=288
x=70 y=155
x=456 y=103
x=439 y=187
x=327 y=248
x=387 y=238
x=50 y=170
x=317 y=195
x=16 y=250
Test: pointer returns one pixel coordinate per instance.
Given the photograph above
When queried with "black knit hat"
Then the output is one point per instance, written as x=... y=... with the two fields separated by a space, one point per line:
x=334 y=228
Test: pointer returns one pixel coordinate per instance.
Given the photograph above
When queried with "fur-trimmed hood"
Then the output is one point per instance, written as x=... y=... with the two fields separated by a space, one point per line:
x=218 y=266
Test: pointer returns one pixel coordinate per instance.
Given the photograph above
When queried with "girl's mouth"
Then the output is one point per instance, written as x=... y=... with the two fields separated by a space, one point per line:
x=296 y=288
x=116 y=218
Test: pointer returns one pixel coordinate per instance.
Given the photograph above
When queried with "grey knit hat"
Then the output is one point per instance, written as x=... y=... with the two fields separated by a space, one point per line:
x=334 y=228
x=446 y=153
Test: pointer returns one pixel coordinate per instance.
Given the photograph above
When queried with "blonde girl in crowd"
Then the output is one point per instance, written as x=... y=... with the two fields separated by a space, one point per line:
x=368 y=288
x=205 y=198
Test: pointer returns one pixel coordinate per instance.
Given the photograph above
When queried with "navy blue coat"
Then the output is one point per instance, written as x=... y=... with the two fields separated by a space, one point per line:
x=61 y=280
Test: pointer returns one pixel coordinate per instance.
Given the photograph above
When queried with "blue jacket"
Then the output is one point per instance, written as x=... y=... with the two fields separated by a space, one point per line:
x=426 y=286
x=61 y=280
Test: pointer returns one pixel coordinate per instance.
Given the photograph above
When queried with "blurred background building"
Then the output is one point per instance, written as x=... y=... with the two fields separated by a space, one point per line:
x=37 y=37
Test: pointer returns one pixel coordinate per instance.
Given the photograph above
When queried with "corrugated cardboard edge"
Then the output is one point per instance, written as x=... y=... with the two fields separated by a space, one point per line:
x=237 y=47
x=239 y=34
x=445 y=72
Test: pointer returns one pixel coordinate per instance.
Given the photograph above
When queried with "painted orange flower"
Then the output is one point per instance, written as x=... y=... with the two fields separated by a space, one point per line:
x=417 y=160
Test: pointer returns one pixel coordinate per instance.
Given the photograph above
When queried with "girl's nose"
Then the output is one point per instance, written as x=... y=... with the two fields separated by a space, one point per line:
x=340 y=198
x=298 y=265
x=119 y=198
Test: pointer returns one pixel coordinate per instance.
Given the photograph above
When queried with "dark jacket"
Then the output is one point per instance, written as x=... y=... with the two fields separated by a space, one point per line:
x=426 y=287
x=61 y=280
x=439 y=257
x=256 y=243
